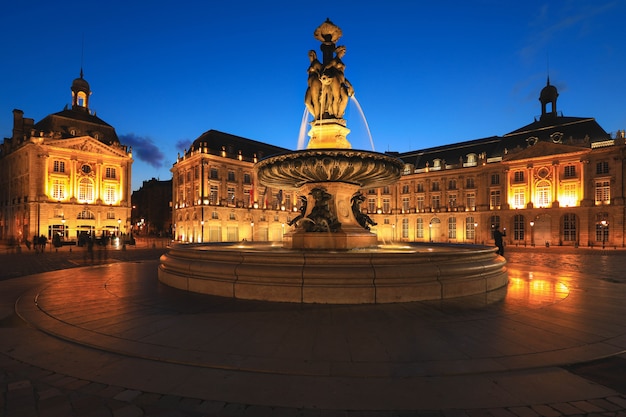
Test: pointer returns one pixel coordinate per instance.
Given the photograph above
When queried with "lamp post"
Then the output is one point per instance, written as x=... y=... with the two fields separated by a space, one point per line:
x=604 y=224
x=252 y=231
x=202 y=231
x=430 y=232
x=475 y=231
x=119 y=223
x=532 y=234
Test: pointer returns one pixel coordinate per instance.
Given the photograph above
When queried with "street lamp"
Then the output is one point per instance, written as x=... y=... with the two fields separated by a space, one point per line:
x=252 y=231
x=604 y=224
x=119 y=223
x=202 y=231
x=532 y=234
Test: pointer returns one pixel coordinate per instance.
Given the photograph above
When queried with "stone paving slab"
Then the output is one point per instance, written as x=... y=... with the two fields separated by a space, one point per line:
x=510 y=352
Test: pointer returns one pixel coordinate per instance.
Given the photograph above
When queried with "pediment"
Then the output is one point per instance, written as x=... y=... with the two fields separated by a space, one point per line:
x=87 y=144
x=543 y=150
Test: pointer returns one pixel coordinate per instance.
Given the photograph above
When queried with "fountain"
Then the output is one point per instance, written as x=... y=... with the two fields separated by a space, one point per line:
x=331 y=256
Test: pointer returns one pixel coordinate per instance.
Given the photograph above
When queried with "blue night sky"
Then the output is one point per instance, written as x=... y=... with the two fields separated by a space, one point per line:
x=424 y=73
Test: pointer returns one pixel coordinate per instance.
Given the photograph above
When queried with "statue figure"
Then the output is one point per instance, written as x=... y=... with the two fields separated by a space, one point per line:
x=303 y=204
x=338 y=88
x=329 y=91
x=321 y=218
x=363 y=219
x=312 y=96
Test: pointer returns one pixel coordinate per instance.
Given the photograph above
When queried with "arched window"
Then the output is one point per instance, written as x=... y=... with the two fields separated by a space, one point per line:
x=85 y=190
x=543 y=193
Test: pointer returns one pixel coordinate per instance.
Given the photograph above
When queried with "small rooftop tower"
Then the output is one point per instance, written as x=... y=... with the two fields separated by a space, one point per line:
x=80 y=93
x=548 y=95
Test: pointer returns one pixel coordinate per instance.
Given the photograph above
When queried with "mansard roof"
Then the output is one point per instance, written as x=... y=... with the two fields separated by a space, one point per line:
x=215 y=142
x=575 y=132
x=452 y=153
x=70 y=123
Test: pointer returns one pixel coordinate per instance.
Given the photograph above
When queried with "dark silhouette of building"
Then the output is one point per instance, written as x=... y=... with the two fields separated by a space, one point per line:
x=152 y=208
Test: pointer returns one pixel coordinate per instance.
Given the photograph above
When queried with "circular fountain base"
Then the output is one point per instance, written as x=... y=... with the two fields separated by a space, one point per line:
x=386 y=274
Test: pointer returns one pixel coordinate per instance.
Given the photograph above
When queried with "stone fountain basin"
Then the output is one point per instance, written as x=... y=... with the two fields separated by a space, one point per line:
x=293 y=169
x=384 y=274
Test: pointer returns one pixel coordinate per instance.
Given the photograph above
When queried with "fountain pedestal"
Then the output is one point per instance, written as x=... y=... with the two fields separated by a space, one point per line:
x=329 y=133
x=349 y=235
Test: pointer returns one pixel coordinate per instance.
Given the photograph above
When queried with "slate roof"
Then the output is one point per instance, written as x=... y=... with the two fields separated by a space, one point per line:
x=82 y=121
x=578 y=132
x=216 y=142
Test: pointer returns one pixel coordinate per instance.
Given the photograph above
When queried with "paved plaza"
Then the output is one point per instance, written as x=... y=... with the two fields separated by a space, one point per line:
x=99 y=336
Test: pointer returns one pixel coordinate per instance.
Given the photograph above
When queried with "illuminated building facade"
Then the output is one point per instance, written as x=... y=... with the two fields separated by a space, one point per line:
x=65 y=176
x=216 y=197
x=557 y=181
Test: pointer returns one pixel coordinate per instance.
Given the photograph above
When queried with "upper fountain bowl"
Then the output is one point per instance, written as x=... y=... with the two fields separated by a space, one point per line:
x=363 y=168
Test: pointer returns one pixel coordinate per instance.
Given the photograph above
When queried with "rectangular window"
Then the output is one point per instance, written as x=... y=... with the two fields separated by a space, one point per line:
x=570 y=171
x=436 y=202
x=110 y=196
x=386 y=205
x=570 y=196
x=452 y=200
x=231 y=195
x=495 y=179
x=246 y=198
x=214 y=174
x=419 y=228
x=602 y=167
x=519 y=198
x=471 y=201
x=469 y=183
x=109 y=173
x=214 y=194
x=371 y=205
x=569 y=227
x=420 y=187
x=470 y=228
x=494 y=199
x=405 y=204
x=196 y=172
x=405 y=189
x=59 y=166
x=435 y=186
x=419 y=201
x=518 y=176
x=246 y=178
x=603 y=192
x=452 y=228
x=231 y=176
x=518 y=227
x=452 y=185
x=58 y=190
x=405 y=228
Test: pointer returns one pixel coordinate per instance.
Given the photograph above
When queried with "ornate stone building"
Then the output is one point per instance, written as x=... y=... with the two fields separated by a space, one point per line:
x=216 y=196
x=557 y=181
x=64 y=176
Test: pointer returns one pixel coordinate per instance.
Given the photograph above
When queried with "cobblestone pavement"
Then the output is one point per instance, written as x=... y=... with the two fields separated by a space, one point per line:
x=29 y=390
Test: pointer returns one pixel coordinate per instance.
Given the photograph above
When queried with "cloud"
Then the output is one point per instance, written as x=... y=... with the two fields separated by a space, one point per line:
x=144 y=149
x=183 y=144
